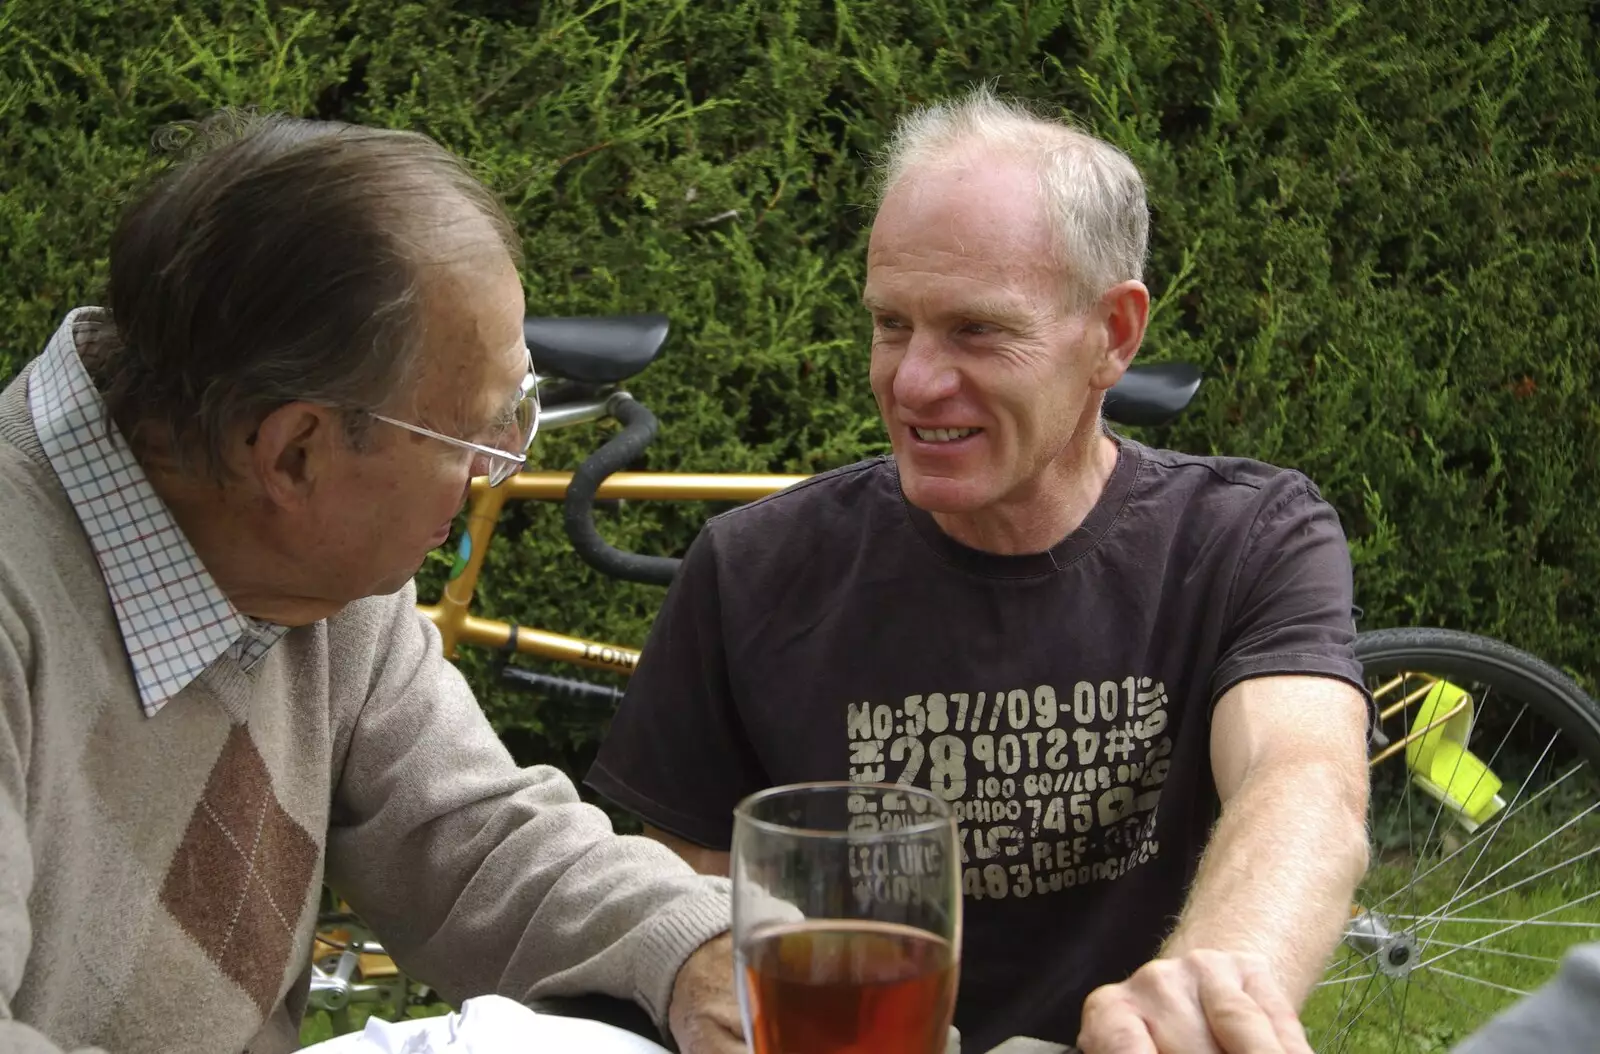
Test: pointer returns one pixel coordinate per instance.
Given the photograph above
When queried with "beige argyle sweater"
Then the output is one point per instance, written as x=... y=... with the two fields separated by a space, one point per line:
x=159 y=875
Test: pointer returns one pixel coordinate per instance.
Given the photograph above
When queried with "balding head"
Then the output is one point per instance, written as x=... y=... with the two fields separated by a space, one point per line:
x=1092 y=197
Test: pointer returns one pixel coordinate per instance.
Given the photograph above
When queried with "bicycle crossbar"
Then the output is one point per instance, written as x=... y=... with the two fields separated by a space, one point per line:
x=456 y=624
x=648 y=486
x=491 y=633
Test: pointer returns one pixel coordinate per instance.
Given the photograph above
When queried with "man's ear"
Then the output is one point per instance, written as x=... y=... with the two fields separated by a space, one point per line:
x=1124 y=311
x=289 y=450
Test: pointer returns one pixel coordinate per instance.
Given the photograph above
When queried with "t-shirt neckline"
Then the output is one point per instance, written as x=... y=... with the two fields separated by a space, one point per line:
x=1073 y=547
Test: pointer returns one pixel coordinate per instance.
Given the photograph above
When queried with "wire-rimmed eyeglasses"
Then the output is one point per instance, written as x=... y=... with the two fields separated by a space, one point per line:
x=520 y=426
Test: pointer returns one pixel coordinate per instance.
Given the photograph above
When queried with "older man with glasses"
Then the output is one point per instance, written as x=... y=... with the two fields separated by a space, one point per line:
x=215 y=690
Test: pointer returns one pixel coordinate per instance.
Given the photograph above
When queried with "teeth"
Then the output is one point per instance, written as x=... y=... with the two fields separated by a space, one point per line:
x=942 y=435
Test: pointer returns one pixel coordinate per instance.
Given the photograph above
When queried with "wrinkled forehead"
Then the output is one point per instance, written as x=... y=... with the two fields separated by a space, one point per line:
x=977 y=225
x=965 y=209
x=482 y=390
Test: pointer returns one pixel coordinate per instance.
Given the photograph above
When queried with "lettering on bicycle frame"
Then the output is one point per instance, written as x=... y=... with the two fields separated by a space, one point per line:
x=617 y=658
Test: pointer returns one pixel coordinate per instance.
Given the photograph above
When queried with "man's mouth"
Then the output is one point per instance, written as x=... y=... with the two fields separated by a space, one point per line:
x=943 y=435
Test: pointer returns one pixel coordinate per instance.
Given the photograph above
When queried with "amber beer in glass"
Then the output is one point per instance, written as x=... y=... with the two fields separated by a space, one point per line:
x=846 y=919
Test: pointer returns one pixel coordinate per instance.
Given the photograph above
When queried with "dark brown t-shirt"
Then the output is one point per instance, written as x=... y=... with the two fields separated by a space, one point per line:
x=1060 y=701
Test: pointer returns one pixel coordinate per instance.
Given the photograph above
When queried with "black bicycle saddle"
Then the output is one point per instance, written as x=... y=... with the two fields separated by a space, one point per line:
x=1153 y=394
x=597 y=350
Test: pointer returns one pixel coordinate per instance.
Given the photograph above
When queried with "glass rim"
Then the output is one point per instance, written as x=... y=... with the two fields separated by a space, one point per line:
x=742 y=815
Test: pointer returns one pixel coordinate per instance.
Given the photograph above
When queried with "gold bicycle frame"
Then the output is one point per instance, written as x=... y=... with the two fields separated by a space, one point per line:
x=458 y=625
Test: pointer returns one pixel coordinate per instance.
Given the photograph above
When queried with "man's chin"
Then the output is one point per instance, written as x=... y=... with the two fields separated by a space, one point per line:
x=942 y=495
x=394 y=583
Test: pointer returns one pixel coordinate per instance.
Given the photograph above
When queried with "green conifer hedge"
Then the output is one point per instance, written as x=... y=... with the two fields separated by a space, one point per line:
x=1375 y=227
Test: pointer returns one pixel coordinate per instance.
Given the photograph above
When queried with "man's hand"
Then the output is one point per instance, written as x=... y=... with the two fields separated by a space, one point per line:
x=704 y=1013
x=1203 y=1002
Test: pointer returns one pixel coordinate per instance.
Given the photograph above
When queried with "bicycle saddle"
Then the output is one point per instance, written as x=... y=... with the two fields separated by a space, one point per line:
x=594 y=350
x=1153 y=394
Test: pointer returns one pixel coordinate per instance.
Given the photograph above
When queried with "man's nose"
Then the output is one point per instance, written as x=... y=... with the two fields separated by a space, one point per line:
x=926 y=373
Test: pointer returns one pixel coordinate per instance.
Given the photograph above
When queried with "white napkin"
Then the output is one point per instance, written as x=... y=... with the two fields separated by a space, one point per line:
x=489 y=1024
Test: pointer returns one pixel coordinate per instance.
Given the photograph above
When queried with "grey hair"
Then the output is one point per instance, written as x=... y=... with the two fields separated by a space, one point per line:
x=1099 y=219
x=281 y=260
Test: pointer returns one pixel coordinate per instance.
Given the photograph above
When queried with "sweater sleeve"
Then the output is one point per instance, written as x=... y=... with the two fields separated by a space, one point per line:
x=16 y=855
x=1563 y=1017
x=477 y=875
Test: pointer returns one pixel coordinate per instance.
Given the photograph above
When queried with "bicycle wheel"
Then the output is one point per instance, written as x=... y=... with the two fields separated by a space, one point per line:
x=1486 y=843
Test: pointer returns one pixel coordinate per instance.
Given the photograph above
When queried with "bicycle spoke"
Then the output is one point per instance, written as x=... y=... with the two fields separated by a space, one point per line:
x=1531 y=878
x=1347 y=980
x=1444 y=917
x=1388 y=997
x=1433 y=988
x=1344 y=998
x=1400 y=1017
x=1512 y=926
x=1497 y=829
x=1345 y=995
x=1359 y=1014
x=1479 y=980
x=1499 y=870
x=1498 y=951
x=1406 y=792
x=1364 y=957
x=1437 y=812
x=1483 y=832
x=1476 y=921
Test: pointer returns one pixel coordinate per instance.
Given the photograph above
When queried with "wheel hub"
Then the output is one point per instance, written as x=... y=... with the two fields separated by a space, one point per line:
x=1394 y=951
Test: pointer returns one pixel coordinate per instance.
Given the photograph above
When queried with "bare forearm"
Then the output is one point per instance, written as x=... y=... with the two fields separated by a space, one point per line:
x=1279 y=872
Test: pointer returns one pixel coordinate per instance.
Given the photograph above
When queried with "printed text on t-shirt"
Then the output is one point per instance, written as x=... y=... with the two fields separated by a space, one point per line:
x=1051 y=790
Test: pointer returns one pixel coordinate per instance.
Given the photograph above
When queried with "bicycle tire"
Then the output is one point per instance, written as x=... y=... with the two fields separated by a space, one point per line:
x=1511 y=670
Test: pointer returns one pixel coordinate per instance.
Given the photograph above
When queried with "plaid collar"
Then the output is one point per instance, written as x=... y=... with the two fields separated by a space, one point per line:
x=175 y=620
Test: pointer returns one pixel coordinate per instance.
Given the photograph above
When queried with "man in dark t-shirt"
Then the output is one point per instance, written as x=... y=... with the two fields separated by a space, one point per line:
x=1129 y=671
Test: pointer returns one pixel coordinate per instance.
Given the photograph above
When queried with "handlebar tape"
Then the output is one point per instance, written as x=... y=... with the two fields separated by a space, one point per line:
x=638 y=430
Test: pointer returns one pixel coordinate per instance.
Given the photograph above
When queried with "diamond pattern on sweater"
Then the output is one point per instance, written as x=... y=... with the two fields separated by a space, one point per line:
x=240 y=875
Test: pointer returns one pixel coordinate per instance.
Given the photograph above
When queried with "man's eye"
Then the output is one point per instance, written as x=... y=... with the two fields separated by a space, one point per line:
x=888 y=322
x=978 y=329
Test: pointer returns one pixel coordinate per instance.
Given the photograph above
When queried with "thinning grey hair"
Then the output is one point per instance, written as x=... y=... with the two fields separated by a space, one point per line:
x=280 y=260
x=1100 y=222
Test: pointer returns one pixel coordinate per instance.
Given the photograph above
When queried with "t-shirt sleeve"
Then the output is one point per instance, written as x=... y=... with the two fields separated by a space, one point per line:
x=677 y=755
x=1290 y=607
